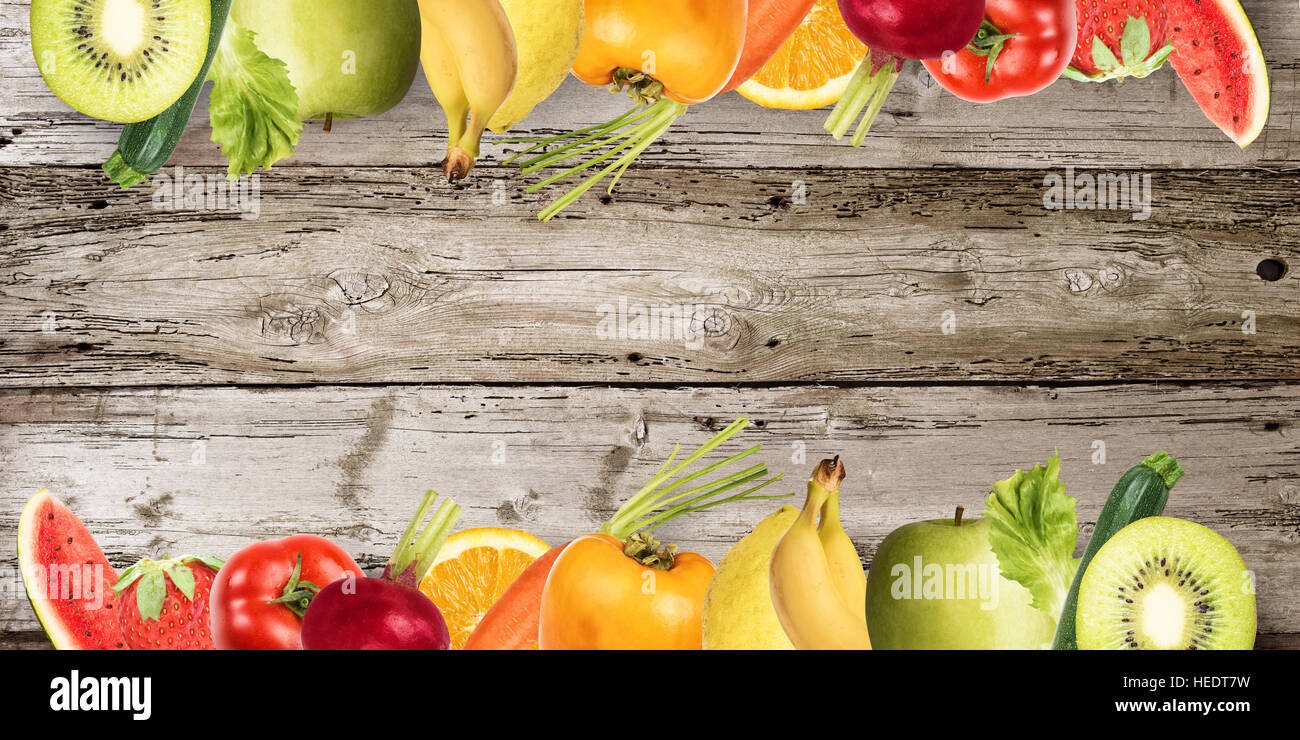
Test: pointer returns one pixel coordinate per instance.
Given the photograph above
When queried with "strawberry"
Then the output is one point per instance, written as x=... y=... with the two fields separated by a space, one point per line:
x=1120 y=38
x=163 y=604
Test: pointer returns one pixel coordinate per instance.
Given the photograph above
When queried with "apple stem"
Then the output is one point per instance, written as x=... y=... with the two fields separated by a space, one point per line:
x=329 y=122
x=956 y=520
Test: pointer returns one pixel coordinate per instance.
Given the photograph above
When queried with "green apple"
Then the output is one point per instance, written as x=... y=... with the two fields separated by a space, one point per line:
x=935 y=585
x=346 y=58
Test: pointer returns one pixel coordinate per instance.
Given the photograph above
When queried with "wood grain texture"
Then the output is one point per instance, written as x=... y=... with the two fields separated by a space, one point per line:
x=210 y=470
x=381 y=275
x=1141 y=123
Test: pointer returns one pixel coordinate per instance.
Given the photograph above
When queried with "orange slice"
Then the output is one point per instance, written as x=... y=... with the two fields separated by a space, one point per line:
x=813 y=67
x=472 y=570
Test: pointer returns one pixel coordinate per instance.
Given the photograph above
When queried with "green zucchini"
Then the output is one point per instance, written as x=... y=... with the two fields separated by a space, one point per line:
x=146 y=146
x=1141 y=492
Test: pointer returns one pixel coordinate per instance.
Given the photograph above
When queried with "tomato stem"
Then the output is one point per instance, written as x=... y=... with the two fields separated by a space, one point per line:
x=988 y=42
x=871 y=83
x=297 y=594
x=656 y=503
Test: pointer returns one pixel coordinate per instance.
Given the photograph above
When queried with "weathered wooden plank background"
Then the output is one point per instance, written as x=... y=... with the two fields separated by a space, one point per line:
x=373 y=275
x=194 y=380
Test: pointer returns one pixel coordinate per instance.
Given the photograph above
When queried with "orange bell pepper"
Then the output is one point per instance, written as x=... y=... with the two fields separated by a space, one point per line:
x=600 y=598
x=689 y=47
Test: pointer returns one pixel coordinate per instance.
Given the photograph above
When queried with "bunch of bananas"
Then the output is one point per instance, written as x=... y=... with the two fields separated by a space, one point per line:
x=819 y=589
x=470 y=61
x=490 y=62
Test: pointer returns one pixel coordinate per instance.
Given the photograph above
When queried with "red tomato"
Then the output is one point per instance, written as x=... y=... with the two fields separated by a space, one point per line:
x=1023 y=46
x=243 y=617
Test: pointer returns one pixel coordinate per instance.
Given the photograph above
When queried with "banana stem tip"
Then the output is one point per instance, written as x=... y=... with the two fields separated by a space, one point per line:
x=829 y=473
x=457 y=164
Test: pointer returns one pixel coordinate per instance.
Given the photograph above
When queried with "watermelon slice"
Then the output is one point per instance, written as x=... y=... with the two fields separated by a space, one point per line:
x=68 y=579
x=1217 y=55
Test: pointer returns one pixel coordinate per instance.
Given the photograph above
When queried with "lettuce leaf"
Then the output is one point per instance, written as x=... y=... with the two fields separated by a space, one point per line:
x=253 y=107
x=1033 y=529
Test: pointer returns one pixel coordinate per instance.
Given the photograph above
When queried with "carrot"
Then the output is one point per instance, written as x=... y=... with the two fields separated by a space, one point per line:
x=512 y=622
x=770 y=23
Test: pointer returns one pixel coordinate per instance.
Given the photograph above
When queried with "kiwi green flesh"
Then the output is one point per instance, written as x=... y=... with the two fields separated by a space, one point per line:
x=120 y=60
x=1166 y=584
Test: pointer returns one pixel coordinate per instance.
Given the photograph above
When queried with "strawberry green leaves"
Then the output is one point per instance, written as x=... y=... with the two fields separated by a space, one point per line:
x=253 y=107
x=1033 y=530
x=1135 y=43
x=183 y=577
x=1104 y=57
x=150 y=579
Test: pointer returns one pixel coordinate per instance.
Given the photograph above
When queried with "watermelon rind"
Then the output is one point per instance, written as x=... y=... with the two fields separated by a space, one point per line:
x=1244 y=31
x=61 y=636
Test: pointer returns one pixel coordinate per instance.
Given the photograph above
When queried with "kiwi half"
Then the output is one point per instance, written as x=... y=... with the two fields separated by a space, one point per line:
x=120 y=60
x=1166 y=584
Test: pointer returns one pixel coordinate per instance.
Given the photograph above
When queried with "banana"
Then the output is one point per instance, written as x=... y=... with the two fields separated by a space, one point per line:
x=805 y=591
x=846 y=566
x=469 y=57
x=444 y=79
